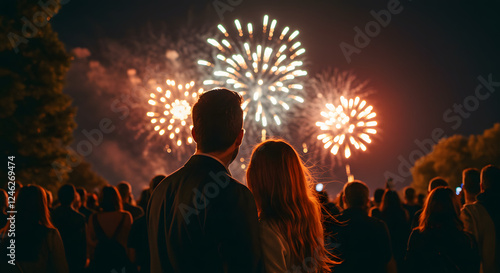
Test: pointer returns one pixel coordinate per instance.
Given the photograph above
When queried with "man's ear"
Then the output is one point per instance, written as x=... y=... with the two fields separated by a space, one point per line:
x=193 y=133
x=239 y=139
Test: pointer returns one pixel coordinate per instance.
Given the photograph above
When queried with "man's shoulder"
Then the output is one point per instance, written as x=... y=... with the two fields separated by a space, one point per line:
x=67 y=214
x=475 y=207
x=474 y=210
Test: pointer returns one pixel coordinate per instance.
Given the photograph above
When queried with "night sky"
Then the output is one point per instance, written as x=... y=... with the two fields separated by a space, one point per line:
x=427 y=59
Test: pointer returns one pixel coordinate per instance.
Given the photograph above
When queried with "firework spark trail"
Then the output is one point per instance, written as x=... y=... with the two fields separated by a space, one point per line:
x=264 y=67
x=171 y=113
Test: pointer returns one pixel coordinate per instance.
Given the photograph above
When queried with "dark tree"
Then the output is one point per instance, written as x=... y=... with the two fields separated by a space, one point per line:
x=452 y=155
x=36 y=117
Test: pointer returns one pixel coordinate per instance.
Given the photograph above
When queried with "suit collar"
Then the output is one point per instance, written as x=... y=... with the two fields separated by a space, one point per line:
x=208 y=161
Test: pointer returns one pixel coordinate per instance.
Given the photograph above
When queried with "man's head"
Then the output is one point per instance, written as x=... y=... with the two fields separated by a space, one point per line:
x=471 y=180
x=490 y=178
x=409 y=195
x=218 y=121
x=437 y=182
x=125 y=191
x=66 y=194
x=356 y=195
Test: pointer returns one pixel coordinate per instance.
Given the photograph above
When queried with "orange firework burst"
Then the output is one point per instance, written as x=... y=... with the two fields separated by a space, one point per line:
x=172 y=111
x=347 y=125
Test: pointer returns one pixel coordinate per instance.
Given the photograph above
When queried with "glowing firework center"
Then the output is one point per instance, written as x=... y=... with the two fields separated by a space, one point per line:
x=350 y=123
x=263 y=67
x=179 y=109
x=172 y=111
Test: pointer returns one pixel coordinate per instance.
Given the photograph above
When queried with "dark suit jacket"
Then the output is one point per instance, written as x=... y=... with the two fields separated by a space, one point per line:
x=202 y=220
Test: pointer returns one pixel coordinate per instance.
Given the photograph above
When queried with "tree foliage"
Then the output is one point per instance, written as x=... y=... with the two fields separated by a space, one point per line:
x=36 y=117
x=452 y=155
x=83 y=176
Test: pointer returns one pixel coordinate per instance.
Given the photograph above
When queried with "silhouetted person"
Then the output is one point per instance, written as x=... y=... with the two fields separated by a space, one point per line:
x=125 y=191
x=3 y=208
x=92 y=201
x=339 y=201
x=482 y=219
x=397 y=221
x=327 y=207
x=377 y=200
x=434 y=183
x=71 y=226
x=410 y=203
x=144 y=199
x=200 y=219
x=83 y=209
x=420 y=200
x=290 y=214
x=108 y=234
x=363 y=242
x=440 y=244
x=155 y=182
x=471 y=181
x=138 y=238
x=38 y=245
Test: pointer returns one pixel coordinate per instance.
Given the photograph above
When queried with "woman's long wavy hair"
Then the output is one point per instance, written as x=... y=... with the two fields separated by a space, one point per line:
x=441 y=211
x=32 y=222
x=285 y=198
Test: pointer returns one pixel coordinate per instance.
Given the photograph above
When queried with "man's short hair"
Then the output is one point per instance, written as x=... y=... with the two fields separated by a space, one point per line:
x=356 y=194
x=66 y=194
x=409 y=193
x=437 y=182
x=471 y=179
x=217 y=119
x=490 y=178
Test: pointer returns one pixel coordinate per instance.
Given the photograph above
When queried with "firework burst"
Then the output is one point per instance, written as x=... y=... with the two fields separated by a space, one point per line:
x=346 y=126
x=171 y=113
x=343 y=122
x=264 y=67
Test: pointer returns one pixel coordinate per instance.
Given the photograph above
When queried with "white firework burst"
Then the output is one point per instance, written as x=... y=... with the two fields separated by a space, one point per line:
x=264 y=66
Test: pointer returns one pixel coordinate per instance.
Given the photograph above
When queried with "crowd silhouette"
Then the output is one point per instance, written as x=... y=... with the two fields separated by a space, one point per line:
x=199 y=219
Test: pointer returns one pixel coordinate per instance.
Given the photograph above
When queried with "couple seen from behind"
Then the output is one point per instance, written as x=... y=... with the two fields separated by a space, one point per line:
x=200 y=219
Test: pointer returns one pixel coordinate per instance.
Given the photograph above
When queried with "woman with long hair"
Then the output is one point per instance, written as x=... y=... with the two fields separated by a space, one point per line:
x=439 y=243
x=289 y=211
x=397 y=220
x=108 y=233
x=38 y=247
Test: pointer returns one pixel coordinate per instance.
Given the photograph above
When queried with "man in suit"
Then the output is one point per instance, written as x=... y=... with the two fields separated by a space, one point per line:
x=200 y=219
